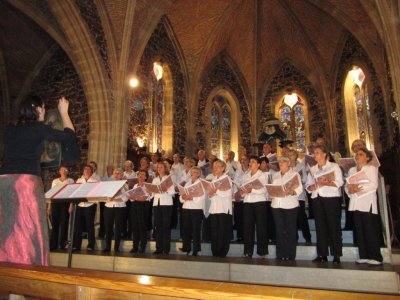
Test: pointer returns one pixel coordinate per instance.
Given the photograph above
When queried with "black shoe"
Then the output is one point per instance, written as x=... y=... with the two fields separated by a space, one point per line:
x=106 y=250
x=142 y=250
x=133 y=250
x=336 y=260
x=184 y=250
x=194 y=253
x=308 y=242
x=320 y=259
x=157 y=252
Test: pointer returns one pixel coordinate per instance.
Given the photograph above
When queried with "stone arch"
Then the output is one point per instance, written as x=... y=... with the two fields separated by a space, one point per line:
x=219 y=72
x=354 y=54
x=288 y=77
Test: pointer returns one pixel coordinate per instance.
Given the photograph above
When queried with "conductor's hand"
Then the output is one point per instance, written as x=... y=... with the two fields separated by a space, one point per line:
x=63 y=106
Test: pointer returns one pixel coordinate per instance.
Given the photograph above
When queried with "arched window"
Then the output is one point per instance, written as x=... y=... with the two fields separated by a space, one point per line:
x=358 y=114
x=161 y=119
x=292 y=114
x=220 y=126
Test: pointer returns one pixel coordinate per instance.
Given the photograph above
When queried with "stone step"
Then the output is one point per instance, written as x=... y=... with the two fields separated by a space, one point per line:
x=305 y=274
x=304 y=252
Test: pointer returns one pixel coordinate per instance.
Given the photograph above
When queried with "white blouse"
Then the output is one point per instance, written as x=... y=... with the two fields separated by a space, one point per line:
x=197 y=202
x=325 y=191
x=163 y=198
x=221 y=201
x=259 y=195
x=366 y=201
x=290 y=201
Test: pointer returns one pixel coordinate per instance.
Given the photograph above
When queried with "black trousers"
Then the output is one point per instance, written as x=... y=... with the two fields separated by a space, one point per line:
x=84 y=215
x=162 y=222
x=327 y=214
x=102 y=229
x=368 y=230
x=271 y=232
x=349 y=224
x=206 y=231
x=254 y=221
x=286 y=229
x=127 y=226
x=117 y=216
x=238 y=218
x=138 y=215
x=302 y=221
x=191 y=229
x=221 y=232
x=59 y=223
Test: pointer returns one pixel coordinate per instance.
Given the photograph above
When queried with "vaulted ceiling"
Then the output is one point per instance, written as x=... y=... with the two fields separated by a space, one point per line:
x=258 y=35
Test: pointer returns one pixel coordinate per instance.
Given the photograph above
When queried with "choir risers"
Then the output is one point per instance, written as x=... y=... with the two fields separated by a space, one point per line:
x=345 y=277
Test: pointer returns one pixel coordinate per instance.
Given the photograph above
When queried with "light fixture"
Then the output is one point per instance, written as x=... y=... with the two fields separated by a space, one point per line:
x=158 y=70
x=358 y=75
x=290 y=99
x=141 y=142
x=134 y=82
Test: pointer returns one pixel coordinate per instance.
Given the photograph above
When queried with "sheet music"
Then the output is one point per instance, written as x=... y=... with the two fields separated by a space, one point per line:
x=347 y=163
x=223 y=184
x=292 y=183
x=328 y=176
x=54 y=190
x=253 y=184
x=195 y=190
x=106 y=189
x=358 y=178
x=83 y=190
x=152 y=188
x=67 y=191
x=138 y=191
x=207 y=185
x=275 y=191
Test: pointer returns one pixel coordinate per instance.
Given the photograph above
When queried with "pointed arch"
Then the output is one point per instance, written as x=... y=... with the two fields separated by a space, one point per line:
x=289 y=78
x=219 y=72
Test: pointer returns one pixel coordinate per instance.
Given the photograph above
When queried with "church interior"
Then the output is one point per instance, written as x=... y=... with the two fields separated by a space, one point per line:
x=176 y=76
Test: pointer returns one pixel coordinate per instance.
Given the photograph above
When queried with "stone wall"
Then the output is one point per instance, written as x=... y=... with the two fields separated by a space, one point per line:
x=220 y=74
x=160 y=49
x=91 y=16
x=59 y=78
x=288 y=77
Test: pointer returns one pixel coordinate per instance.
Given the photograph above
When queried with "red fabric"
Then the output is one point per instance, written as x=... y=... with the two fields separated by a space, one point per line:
x=24 y=233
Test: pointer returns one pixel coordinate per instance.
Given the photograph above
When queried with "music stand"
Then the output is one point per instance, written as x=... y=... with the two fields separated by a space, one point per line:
x=70 y=241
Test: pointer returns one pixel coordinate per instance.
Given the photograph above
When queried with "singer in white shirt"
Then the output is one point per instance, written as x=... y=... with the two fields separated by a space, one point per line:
x=327 y=206
x=115 y=214
x=220 y=214
x=162 y=205
x=285 y=212
x=366 y=219
x=192 y=216
x=139 y=211
x=254 y=211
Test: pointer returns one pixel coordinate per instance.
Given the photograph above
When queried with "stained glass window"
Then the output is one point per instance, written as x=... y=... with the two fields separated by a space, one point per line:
x=220 y=125
x=293 y=124
x=157 y=113
x=363 y=112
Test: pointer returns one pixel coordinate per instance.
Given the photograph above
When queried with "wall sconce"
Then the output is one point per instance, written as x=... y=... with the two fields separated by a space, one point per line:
x=133 y=82
x=158 y=70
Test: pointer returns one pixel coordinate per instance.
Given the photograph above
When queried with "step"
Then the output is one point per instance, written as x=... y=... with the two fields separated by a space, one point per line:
x=303 y=251
x=344 y=277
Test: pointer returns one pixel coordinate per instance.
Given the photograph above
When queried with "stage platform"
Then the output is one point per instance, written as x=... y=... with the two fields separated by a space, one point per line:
x=348 y=276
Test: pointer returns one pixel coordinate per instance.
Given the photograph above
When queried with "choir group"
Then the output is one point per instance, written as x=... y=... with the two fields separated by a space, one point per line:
x=263 y=196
